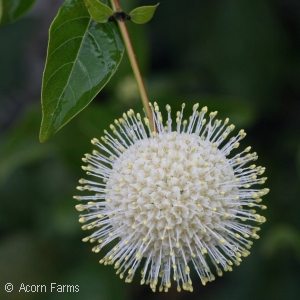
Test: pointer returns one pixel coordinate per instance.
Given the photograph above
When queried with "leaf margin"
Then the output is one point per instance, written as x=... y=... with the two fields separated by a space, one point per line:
x=44 y=136
x=150 y=10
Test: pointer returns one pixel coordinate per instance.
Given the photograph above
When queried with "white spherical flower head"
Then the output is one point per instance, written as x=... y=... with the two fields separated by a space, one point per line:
x=171 y=198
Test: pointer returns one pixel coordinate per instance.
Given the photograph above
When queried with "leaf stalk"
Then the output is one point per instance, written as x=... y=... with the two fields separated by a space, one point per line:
x=134 y=64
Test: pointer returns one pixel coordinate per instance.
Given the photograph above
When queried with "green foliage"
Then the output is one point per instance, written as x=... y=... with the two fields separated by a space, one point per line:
x=82 y=57
x=282 y=238
x=98 y=11
x=143 y=14
x=48 y=248
x=11 y=10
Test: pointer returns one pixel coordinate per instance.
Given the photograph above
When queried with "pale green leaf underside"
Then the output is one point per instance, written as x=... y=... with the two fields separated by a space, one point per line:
x=98 y=11
x=143 y=14
x=82 y=56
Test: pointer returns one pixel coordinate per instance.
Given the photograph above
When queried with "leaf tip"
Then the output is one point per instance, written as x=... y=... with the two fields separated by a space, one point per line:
x=42 y=138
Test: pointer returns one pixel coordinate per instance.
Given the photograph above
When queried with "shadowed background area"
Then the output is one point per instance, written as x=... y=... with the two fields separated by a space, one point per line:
x=239 y=57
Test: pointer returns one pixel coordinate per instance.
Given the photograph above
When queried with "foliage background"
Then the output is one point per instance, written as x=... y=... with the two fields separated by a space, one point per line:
x=237 y=56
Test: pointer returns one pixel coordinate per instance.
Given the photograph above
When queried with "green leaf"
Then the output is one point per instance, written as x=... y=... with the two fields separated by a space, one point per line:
x=82 y=57
x=11 y=10
x=143 y=14
x=98 y=11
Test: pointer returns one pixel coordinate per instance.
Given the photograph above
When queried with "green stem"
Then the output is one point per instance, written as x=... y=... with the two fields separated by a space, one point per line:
x=135 y=67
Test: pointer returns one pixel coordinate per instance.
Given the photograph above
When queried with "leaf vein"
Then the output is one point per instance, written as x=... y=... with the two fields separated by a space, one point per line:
x=68 y=78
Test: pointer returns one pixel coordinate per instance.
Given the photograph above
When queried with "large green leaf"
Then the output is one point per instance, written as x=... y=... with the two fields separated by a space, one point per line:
x=11 y=10
x=82 y=57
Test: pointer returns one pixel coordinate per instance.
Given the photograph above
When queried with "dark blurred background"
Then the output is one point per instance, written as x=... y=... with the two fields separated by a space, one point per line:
x=239 y=57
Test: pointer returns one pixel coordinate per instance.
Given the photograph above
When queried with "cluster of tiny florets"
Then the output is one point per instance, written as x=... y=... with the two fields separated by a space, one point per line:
x=171 y=197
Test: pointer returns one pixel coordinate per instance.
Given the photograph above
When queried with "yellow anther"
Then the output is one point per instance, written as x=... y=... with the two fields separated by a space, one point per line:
x=231 y=127
x=82 y=220
x=79 y=207
x=222 y=241
x=94 y=141
x=187 y=269
x=224 y=135
x=82 y=181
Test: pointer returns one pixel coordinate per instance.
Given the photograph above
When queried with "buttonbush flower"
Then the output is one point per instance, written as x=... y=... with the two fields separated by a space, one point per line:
x=171 y=199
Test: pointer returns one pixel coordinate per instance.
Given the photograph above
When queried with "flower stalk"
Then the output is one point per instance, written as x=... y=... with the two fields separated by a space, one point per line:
x=134 y=64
